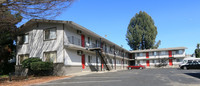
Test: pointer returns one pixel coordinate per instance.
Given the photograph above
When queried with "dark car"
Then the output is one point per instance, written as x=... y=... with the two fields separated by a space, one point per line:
x=191 y=65
x=136 y=66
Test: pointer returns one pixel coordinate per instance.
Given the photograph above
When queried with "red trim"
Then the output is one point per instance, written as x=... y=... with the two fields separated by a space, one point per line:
x=102 y=63
x=83 y=40
x=83 y=61
x=170 y=53
x=170 y=60
x=147 y=56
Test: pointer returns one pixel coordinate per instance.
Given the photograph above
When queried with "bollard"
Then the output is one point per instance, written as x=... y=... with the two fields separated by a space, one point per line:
x=10 y=77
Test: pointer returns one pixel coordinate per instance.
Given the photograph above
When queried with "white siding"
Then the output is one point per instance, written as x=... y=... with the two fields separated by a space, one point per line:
x=37 y=45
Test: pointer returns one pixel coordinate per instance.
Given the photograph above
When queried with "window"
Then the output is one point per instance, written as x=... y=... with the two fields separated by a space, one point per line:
x=138 y=62
x=50 y=33
x=88 y=40
x=141 y=62
x=177 y=60
x=163 y=52
x=23 y=39
x=138 y=54
x=50 y=57
x=180 y=51
x=177 y=52
x=153 y=61
x=154 y=53
x=22 y=58
x=89 y=58
x=141 y=54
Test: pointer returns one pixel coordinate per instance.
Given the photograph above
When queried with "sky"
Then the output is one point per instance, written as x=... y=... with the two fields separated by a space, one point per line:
x=177 y=21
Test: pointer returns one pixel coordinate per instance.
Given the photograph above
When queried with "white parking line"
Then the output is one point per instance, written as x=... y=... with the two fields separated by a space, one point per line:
x=81 y=82
x=98 y=77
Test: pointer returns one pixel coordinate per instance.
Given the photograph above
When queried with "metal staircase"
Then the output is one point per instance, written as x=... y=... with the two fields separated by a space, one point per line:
x=104 y=58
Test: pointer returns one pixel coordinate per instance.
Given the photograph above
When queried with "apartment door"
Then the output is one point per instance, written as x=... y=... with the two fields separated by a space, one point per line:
x=170 y=58
x=83 y=61
x=83 y=40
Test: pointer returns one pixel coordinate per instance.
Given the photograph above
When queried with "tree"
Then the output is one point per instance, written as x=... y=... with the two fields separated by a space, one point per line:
x=197 y=51
x=7 y=36
x=36 y=8
x=13 y=11
x=141 y=32
x=33 y=8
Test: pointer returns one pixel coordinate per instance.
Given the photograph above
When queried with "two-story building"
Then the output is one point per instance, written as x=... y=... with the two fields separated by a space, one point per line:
x=73 y=48
x=152 y=57
x=70 y=46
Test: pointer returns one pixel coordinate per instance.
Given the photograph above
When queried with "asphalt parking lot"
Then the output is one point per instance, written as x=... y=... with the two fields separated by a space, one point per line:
x=145 y=77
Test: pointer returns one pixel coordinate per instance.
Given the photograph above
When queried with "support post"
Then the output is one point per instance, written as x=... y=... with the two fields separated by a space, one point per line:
x=97 y=62
x=115 y=57
x=123 y=59
x=101 y=58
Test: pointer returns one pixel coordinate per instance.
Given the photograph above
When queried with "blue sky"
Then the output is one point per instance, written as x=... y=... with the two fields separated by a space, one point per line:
x=177 y=21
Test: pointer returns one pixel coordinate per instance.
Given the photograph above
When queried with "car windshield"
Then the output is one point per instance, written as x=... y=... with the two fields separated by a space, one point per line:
x=136 y=64
x=184 y=61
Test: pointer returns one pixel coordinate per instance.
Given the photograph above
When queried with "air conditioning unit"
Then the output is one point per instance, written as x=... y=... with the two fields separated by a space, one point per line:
x=79 y=52
x=79 y=32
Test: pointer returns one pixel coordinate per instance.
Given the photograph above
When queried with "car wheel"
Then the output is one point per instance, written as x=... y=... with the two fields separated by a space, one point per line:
x=185 y=68
x=141 y=68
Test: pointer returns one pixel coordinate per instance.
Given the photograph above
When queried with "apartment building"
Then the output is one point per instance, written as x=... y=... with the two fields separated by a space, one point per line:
x=153 y=57
x=71 y=47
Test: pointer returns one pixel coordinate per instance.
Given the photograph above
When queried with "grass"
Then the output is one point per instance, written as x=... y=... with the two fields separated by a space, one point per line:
x=4 y=76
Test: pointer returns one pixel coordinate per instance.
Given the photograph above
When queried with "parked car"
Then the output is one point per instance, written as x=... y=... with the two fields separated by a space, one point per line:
x=136 y=66
x=190 y=64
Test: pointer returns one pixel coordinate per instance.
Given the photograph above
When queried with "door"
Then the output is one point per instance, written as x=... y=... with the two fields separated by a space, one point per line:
x=83 y=40
x=83 y=61
x=170 y=58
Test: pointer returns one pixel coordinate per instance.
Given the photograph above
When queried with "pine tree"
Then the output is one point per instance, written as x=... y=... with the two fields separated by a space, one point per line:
x=141 y=33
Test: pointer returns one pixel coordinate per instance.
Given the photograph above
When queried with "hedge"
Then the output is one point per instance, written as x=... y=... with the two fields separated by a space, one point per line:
x=41 y=66
x=26 y=63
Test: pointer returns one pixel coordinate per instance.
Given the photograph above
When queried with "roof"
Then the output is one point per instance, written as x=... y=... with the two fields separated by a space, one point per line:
x=161 y=49
x=71 y=23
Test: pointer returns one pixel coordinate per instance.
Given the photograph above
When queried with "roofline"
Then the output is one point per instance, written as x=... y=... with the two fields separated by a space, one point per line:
x=33 y=21
x=160 y=49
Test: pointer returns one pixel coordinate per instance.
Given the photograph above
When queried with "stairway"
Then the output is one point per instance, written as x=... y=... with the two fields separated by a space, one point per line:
x=103 y=57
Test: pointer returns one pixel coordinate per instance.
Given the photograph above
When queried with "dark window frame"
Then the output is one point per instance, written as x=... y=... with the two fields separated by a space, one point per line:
x=44 y=33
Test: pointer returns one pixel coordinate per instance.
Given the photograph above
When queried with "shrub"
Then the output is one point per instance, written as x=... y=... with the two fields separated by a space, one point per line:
x=39 y=66
x=26 y=63
x=42 y=68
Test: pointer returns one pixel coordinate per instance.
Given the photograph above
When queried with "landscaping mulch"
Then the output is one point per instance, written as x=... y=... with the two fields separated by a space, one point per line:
x=22 y=81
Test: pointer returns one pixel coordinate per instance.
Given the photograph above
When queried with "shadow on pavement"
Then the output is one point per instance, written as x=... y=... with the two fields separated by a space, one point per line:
x=196 y=75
